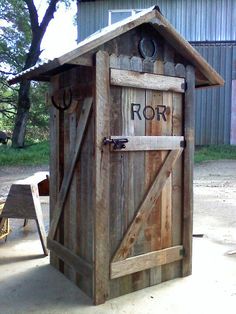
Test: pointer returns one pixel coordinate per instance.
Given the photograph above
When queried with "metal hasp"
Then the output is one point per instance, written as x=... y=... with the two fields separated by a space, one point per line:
x=119 y=143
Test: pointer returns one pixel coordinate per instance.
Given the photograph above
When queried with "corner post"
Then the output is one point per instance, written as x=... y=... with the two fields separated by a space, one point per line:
x=189 y=119
x=102 y=186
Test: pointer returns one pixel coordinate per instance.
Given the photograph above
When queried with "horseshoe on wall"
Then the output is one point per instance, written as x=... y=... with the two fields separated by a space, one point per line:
x=65 y=105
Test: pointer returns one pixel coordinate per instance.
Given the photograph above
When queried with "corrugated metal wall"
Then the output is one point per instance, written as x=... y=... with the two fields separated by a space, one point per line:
x=196 y=20
x=213 y=105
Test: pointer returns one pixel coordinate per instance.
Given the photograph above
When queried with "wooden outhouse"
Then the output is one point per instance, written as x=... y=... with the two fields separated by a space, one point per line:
x=122 y=146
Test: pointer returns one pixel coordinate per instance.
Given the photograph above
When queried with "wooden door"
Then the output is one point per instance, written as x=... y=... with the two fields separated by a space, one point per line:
x=139 y=188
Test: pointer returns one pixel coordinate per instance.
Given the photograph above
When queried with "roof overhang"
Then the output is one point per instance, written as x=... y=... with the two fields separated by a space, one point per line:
x=83 y=54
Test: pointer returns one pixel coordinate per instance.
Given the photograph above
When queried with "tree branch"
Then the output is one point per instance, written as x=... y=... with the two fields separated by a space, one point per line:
x=34 y=19
x=7 y=73
x=48 y=16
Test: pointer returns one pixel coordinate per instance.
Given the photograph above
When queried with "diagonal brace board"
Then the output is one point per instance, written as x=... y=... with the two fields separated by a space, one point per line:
x=81 y=127
x=146 y=206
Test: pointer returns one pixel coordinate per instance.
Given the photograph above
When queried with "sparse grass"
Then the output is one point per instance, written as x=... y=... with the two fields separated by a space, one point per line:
x=214 y=152
x=32 y=155
x=38 y=154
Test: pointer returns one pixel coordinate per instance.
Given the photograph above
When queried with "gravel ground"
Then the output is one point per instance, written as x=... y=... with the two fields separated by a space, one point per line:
x=10 y=174
x=215 y=201
x=214 y=197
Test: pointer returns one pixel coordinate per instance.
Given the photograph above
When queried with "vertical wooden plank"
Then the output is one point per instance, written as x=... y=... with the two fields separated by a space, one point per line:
x=166 y=218
x=60 y=230
x=69 y=212
x=102 y=129
x=177 y=177
x=127 y=171
x=188 y=170
x=56 y=170
x=166 y=197
x=66 y=212
x=153 y=164
x=53 y=171
x=173 y=270
x=73 y=198
x=117 y=193
x=140 y=280
x=86 y=205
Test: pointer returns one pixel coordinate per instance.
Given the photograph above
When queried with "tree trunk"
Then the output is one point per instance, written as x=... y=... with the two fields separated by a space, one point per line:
x=23 y=105
x=38 y=32
x=18 y=137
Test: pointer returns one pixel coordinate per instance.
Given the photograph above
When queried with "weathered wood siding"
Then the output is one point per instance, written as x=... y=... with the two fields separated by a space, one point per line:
x=128 y=213
x=76 y=224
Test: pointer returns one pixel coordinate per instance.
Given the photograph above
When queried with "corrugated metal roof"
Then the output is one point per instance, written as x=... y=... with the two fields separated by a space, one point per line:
x=151 y=15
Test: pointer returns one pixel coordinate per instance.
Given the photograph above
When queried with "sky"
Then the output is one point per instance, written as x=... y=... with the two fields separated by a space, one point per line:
x=61 y=34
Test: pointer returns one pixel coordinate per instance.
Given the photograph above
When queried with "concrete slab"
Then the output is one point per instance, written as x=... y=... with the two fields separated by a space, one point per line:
x=28 y=284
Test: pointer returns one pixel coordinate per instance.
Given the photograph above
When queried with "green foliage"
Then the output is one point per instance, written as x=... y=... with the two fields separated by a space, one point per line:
x=214 y=152
x=15 y=40
x=15 y=34
x=38 y=154
x=15 y=37
x=32 y=154
x=38 y=123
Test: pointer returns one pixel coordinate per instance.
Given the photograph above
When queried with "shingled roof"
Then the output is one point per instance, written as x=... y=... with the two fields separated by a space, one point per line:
x=83 y=53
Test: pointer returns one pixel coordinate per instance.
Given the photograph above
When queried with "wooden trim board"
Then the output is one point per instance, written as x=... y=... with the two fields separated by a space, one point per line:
x=148 y=143
x=80 y=265
x=187 y=227
x=145 y=261
x=147 y=81
x=102 y=180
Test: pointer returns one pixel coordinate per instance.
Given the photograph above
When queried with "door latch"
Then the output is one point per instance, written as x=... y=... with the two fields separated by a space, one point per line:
x=118 y=143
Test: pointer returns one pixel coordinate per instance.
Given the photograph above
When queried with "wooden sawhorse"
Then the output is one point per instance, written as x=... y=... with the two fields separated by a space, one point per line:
x=23 y=202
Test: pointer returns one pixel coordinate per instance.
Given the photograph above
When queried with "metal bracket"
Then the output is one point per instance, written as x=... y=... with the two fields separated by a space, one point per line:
x=119 y=143
x=182 y=252
x=182 y=144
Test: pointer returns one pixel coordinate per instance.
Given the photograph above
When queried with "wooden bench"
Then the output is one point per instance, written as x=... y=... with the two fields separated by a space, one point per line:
x=23 y=202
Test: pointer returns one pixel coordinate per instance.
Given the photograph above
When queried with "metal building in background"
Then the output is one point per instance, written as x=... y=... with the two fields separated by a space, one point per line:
x=214 y=107
x=210 y=26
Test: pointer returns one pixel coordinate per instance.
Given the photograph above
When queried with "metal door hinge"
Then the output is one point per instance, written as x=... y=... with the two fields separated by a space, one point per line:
x=182 y=144
x=182 y=252
x=184 y=86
